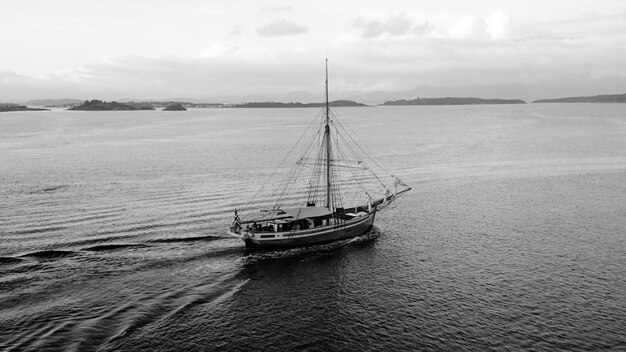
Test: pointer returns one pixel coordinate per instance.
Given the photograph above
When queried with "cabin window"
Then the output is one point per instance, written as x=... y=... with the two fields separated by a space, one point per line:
x=285 y=227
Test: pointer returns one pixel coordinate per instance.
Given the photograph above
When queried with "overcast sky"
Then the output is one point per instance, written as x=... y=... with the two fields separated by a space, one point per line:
x=241 y=50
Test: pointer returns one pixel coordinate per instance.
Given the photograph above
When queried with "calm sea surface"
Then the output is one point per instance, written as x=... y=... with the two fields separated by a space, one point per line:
x=113 y=233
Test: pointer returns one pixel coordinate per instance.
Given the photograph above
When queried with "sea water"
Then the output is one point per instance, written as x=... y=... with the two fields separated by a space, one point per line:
x=113 y=233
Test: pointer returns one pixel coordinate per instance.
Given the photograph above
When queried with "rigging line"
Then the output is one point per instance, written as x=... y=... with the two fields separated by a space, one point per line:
x=337 y=194
x=396 y=203
x=365 y=153
x=306 y=131
x=356 y=154
x=305 y=150
x=311 y=186
x=359 y=189
x=358 y=181
x=340 y=152
x=336 y=191
x=287 y=190
x=284 y=185
x=315 y=136
x=351 y=141
x=312 y=179
x=355 y=177
x=318 y=172
x=362 y=145
x=315 y=178
x=297 y=169
x=347 y=139
x=291 y=180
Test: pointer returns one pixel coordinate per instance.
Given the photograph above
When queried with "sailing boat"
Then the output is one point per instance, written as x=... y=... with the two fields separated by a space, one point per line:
x=333 y=200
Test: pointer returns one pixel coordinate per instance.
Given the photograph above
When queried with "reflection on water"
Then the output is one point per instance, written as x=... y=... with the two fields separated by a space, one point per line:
x=112 y=231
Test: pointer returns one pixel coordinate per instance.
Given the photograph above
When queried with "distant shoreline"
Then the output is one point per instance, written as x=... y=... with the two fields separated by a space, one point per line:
x=605 y=98
x=99 y=105
x=17 y=107
x=452 y=101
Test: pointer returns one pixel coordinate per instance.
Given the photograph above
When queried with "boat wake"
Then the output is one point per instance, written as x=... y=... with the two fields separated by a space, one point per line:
x=187 y=239
x=113 y=246
x=49 y=254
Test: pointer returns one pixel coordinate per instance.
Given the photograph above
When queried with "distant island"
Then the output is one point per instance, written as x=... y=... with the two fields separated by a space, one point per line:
x=185 y=104
x=17 y=107
x=452 y=101
x=175 y=107
x=273 y=104
x=607 y=98
x=99 y=105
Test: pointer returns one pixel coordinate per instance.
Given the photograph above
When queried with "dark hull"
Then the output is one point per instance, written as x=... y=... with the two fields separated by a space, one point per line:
x=325 y=234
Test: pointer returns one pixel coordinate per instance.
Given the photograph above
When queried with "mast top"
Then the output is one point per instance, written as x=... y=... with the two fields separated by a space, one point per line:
x=327 y=105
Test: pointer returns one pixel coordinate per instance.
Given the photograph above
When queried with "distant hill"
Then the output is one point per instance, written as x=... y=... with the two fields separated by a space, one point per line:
x=452 y=101
x=175 y=107
x=186 y=104
x=54 y=102
x=607 y=98
x=99 y=105
x=17 y=107
x=273 y=104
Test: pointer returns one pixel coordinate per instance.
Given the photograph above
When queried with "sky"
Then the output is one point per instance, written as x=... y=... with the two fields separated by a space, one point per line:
x=240 y=50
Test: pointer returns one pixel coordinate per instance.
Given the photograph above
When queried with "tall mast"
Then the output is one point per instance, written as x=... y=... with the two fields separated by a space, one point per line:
x=327 y=137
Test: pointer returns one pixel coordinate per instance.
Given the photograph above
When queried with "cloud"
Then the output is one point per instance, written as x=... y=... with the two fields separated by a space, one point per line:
x=495 y=26
x=7 y=77
x=219 y=49
x=468 y=26
x=236 y=30
x=276 y=9
x=498 y=25
x=281 y=27
x=532 y=60
x=392 y=26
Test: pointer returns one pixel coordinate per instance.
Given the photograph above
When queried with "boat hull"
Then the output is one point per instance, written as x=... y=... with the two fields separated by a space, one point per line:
x=324 y=234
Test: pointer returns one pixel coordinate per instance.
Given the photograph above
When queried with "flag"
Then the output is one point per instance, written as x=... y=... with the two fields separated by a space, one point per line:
x=236 y=222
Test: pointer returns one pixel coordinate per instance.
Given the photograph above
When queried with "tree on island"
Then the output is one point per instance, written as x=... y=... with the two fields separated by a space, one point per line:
x=99 y=105
x=274 y=104
x=175 y=107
